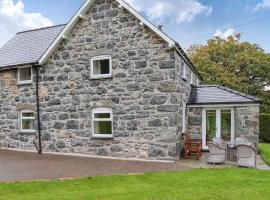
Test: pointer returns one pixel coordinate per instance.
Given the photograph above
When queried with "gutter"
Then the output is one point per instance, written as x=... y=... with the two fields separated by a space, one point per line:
x=39 y=146
x=15 y=66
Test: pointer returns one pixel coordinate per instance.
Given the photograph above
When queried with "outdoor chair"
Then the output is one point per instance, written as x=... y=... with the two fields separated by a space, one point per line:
x=192 y=146
x=219 y=141
x=217 y=153
x=246 y=156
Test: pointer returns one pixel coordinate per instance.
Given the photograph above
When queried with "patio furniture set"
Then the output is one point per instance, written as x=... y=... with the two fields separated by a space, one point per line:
x=240 y=151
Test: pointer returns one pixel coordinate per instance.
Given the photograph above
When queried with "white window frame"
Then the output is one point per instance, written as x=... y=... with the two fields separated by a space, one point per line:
x=184 y=68
x=22 y=118
x=191 y=78
x=184 y=117
x=27 y=81
x=198 y=82
x=103 y=111
x=218 y=123
x=103 y=57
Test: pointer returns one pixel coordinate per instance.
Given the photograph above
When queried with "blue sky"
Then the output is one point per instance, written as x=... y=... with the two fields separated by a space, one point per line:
x=187 y=21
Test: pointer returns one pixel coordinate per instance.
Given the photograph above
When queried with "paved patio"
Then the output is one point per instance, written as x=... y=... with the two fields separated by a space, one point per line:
x=21 y=166
x=202 y=163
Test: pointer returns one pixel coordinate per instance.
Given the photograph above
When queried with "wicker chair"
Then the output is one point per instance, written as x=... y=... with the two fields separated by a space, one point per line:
x=246 y=156
x=219 y=141
x=217 y=153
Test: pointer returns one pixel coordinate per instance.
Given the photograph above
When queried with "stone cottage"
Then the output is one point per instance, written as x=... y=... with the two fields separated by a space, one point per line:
x=110 y=83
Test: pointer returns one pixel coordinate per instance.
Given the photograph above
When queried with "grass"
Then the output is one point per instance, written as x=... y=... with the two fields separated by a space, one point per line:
x=200 y=184
x=265 y=152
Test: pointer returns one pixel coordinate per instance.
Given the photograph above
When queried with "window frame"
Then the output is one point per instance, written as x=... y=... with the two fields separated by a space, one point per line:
x=198 y=82
x=97 y=58
x=184 y=117
x=184 y=70
x=22 y=118
x=19 y=77
x=102 y=111
x=192 y=78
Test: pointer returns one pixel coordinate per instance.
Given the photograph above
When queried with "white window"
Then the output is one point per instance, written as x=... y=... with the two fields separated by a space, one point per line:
x=192 y=78
x=102 y=122
x=25 y=75
x=198 y=81
x=184 y=123
x=101 y=67
x=27 y=121
x=184 y=69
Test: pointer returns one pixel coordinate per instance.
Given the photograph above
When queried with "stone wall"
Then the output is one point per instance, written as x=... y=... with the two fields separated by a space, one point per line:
x=14 y=98
x=142 y=92
x=146 y=91
x=246 y=122
x=194 y=120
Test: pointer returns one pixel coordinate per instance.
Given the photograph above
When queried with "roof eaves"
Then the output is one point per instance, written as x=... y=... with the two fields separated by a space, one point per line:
x=222 y=103
x=17 y=65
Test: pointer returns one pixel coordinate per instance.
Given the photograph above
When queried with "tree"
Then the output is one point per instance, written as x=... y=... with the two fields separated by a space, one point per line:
x=232 y=63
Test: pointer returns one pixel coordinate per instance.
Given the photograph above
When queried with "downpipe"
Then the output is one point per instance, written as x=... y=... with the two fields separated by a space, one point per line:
x=39 y=145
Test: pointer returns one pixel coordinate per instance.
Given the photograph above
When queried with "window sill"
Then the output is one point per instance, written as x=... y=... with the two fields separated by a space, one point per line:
x=25 y=83
x=102 y=137
x=28 y=132
x=101 y=77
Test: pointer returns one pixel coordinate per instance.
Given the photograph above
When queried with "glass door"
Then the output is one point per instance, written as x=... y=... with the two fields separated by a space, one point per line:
x=217 y=123
x=211 y=124
x=226 y=125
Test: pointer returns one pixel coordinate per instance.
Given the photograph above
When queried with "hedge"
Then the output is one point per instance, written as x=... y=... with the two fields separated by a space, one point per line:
x=265 y=127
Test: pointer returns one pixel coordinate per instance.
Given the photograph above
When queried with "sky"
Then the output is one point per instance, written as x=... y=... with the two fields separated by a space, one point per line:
x=186 y=21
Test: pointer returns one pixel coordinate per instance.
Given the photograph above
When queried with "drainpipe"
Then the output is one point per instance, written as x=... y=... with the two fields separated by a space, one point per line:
x=39 y=146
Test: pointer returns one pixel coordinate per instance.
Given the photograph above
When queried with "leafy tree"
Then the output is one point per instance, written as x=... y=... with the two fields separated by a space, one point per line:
x=232 y=63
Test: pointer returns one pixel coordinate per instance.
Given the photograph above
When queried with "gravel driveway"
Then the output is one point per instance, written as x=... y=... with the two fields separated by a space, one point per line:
x=22 y=166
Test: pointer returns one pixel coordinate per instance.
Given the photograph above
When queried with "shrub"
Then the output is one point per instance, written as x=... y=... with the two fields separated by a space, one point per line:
x=265 y=127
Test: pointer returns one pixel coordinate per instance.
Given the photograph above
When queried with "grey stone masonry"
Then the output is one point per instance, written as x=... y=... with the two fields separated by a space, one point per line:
x=146 y=91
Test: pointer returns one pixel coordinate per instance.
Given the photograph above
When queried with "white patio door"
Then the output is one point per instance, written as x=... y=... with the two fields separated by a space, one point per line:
x=218 y=123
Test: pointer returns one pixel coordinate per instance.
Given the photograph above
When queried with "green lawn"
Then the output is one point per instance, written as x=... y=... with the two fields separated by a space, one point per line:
x=265 y=152
x=203 y=184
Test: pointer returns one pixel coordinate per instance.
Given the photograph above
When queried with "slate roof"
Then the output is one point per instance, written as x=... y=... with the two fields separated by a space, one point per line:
x=27 y=47
x=214 y=94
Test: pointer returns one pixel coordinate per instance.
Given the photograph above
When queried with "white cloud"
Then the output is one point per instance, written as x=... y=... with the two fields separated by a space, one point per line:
x=263 y=4
x=224 y=34
x=13 y=18
x=176 y=10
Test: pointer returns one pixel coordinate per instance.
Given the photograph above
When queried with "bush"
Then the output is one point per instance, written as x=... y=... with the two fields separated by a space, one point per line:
x=265 y=127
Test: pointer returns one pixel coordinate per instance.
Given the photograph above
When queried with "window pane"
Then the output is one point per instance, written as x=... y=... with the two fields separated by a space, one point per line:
x=25 y=74
x=101 y=67
x=27 y=114
x=28 y=124
x=103 y=128
x=102 y=115
x=226 y=125
x=210 y=124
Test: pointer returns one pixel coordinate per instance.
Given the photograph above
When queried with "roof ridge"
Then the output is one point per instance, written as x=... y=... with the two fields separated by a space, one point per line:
x=37 y=29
